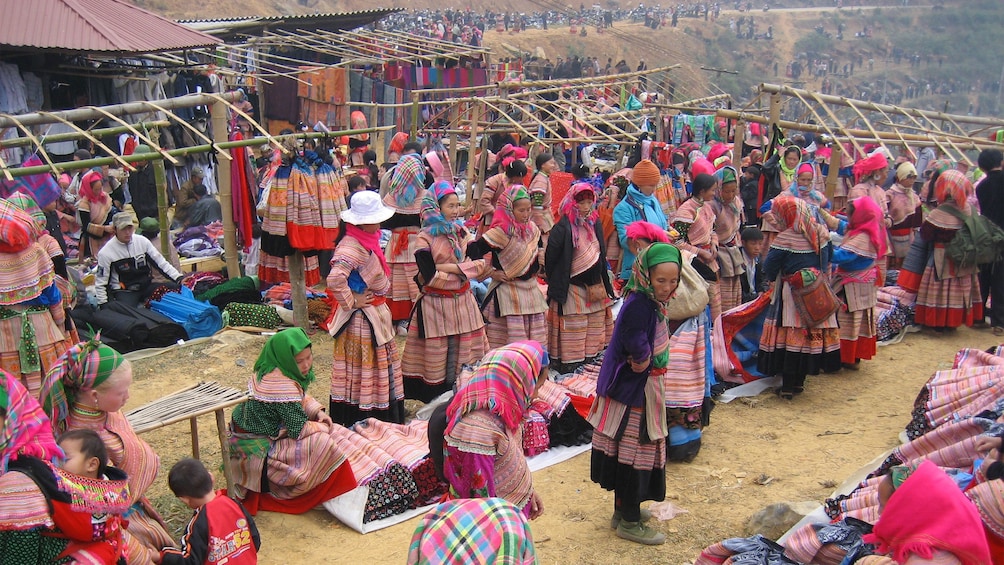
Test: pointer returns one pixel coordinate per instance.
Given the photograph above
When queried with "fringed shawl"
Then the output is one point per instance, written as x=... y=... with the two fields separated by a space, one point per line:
x=800 y=233
x=503 y=384
x=26 y=429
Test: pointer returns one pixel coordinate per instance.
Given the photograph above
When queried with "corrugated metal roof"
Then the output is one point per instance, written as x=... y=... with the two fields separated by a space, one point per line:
x=255 y=25
x=293 y=17
x=111 y=26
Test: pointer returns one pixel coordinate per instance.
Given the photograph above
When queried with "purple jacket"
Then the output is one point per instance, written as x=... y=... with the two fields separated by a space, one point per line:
x=634 y=334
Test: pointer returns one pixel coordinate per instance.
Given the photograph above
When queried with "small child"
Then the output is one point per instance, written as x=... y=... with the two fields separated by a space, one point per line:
x=753 y=281
x=221 y=531
x=91 y=518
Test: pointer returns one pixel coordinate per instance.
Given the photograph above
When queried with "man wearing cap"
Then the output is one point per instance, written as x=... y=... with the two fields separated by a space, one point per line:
x=185 y=197
x=124 y=265
x=143 y=187
x=639 y=203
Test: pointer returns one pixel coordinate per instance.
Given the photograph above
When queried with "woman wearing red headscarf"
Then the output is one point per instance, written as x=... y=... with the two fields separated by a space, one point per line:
x=870 y=173
x=788 y=345
x=947 y=294
x=857 y=272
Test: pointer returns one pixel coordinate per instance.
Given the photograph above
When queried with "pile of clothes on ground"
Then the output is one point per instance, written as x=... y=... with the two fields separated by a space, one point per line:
x=956 y=416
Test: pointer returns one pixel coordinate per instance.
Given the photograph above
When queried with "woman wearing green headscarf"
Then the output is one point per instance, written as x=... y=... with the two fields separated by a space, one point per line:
x=282 y=452
x=629 y=415
x=87 y=389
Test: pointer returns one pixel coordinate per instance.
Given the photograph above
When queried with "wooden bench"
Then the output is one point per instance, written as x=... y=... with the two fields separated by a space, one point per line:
x=188 y=404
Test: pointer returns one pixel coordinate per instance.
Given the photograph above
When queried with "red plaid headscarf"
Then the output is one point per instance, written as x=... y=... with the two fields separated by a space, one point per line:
x=953 y=186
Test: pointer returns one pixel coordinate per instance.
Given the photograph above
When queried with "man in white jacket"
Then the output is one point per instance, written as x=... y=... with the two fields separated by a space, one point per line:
x=124 y=265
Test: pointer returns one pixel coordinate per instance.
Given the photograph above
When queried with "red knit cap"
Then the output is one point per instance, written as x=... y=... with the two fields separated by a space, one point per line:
x=645 y=173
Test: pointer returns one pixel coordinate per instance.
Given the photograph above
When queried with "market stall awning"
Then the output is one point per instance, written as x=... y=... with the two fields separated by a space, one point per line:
x=109 y=26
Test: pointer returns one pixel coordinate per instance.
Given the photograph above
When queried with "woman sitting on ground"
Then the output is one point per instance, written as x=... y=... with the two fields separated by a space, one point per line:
x=282 y=451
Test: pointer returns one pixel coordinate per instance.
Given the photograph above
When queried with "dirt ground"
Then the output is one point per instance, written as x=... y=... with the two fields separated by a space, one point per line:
x=807 y=446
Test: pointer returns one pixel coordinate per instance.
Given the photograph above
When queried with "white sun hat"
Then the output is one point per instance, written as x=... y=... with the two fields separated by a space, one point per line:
x=366 y=209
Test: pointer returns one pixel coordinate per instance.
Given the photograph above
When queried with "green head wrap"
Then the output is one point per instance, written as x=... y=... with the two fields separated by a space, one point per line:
x=280 y=352
x=641 y=281
x=901 y=473
x=83 y=367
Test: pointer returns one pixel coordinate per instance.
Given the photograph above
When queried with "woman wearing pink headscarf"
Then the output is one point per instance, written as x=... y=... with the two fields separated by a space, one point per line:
x=857 y=271
x=926 y=520
x=579 y=316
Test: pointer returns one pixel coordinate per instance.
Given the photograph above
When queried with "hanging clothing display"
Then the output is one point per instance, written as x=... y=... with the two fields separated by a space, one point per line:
x=300 y=213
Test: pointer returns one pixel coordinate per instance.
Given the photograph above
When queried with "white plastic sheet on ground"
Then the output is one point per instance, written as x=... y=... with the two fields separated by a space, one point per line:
x=348 y=508
x=752 y=388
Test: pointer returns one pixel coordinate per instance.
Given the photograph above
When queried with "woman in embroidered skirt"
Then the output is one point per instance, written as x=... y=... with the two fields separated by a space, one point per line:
x=407 y=187
x=947 y=294
x=857 y=273
x=788 y=346
x=283 y=449
x=39 y=518
x=629 y=413
x=53 y=249
x=366 y=377
x=32 y=317
x=540 y=193
x=729 y=218
x=695 y=221
x=905 y=213
x=484 y=428
x=481 y=530
x=447 y=330
x=515 y=305
x=579 y=316
x=87 y=390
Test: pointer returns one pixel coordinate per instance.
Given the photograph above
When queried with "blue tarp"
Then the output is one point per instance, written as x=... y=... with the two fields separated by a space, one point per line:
x=200 y=319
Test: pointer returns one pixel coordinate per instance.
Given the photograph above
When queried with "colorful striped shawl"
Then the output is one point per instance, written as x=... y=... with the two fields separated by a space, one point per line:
x=477 y=530
x=26 y=429
x=503 y=384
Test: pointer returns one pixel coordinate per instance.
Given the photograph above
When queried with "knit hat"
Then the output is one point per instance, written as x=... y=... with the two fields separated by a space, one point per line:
x=645 y=173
